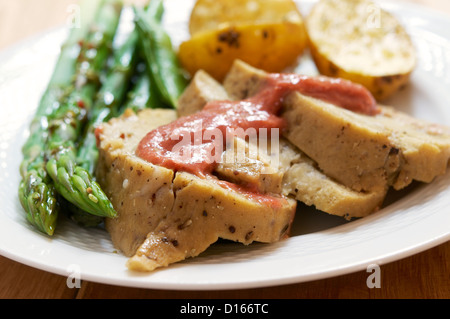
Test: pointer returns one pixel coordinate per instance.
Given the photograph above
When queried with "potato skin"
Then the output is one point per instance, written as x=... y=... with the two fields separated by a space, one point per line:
x=359 y=41
x=271 y=47
x=381 y=87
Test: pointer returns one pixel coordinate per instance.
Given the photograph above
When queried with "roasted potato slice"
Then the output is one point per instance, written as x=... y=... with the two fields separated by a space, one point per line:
x=359 y=41
x=271 y=47
x=218 y=14
x=269 y=35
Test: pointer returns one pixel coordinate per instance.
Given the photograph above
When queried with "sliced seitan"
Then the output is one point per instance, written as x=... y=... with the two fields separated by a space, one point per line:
x=339 y=161
x=154 y=202
x=140 y=192
x=425 y=147
x=306 y=183
x=202 y=89
x=249 y=164
x=204 y=211
x=352 y=149
x=243 y=80
x=297 y=174
x=364 y=153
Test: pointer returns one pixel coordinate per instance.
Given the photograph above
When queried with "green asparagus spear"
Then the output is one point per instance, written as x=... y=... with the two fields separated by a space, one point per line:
x=114 y=89
x=108 y=102
x=36 y=191
x=161 y=59
x=155 y=10
x=79 y=216
x=73 y=182
x=110 y=98
x=143 y=94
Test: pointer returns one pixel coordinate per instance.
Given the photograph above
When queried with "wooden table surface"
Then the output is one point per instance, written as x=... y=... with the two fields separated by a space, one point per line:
x=425 y=275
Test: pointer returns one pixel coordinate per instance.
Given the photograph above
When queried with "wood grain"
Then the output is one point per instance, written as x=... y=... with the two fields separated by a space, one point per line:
x=18 y=281
x=422 y=276
x=399 y=280
x=425 y=275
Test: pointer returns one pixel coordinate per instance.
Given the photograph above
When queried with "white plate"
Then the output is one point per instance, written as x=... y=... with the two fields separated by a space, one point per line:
x=321 y=246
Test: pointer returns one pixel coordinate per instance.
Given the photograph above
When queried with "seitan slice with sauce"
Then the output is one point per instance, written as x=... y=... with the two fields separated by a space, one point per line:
x=202 y=213
x=297 y=174
x=350 y=148
x=154 y=202
x=202 y=89
x=140 y=192
x=249 y=164
x=365 y=153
